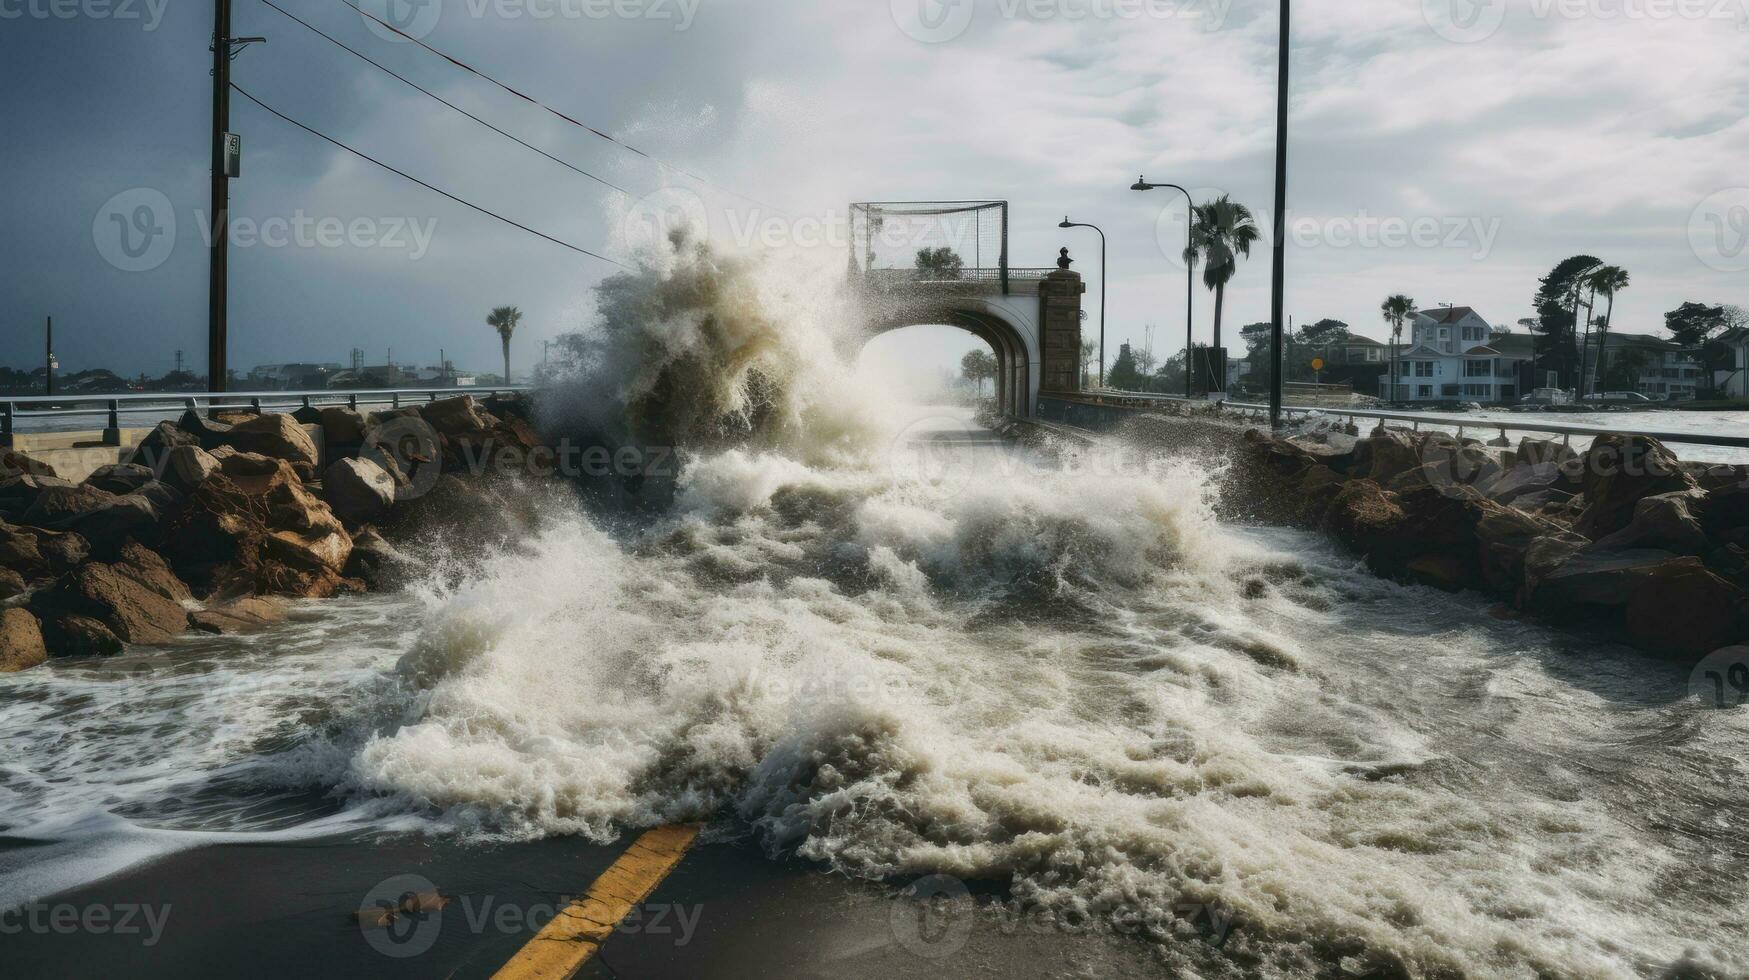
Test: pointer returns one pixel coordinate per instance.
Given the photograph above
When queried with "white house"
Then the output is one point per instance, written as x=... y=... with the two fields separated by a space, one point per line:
x=1455 y=355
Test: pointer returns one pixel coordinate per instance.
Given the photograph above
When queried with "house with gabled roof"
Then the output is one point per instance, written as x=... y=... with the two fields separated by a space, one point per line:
x=1453 y=354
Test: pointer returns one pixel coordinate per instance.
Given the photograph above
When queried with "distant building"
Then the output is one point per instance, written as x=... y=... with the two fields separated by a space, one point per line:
x=1735 y=382
x=1667 y=371
x=290 y=377
x=1455 y=355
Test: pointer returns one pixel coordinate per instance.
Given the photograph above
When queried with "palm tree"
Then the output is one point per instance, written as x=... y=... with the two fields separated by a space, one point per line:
x=504 y=320
x=1220 y=232
x=1609 y=280
x=1396 y=310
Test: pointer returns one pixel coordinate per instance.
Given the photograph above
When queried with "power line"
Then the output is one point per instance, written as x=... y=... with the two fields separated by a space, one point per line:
x=400 y=173
x=417 y=87
x=536 y=102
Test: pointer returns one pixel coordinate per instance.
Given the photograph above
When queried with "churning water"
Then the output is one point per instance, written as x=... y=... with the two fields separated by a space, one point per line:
x=1074 y=682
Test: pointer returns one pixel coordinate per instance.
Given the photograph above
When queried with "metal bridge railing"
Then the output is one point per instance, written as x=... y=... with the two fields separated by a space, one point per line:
x=1417 y=419
x=14 y=410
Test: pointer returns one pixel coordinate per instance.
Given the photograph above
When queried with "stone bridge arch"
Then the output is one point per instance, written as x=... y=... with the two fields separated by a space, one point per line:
x=1032 y=326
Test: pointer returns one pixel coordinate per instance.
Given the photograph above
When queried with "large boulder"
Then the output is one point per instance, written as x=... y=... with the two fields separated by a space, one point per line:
x=372 y=560
x=55 y=506
x=157 y=446
x=1683 y=610
x=120 y=478
x=18 y=493
x=137 y=516
x=76 y=635
x=358 y=490
x=63 y=550
x=1366 y=517
x=1726 y=509
x=1385 y=454
x=21 y=641
x=1620 y=471
x=188 y=467
x=1601 y=578
x=208 y=433
x=14 y=463
x=12 y=583
x=137 y=598
x=1522 y=479
x=1504 y=538
x=278 y=436
x=19 y=551
x=453 y=416
x=342 y=426
x=266 y=534
x=248 y=614
x=1666 y=521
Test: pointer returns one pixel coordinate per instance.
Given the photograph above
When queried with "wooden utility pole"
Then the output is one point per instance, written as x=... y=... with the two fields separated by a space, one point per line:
x=218 y=275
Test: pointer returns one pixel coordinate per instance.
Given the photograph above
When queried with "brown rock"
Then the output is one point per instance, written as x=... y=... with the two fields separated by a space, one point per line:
x=188 y=467
x=1602 y=578
x=14 y=463
x=1504 y=537
x=64 y=551
x=342 y=426
x=1365 y=517
x=155 y=449
x=76 y=635
x=21 y=641
x=453 y=416
x=358 y=490
x=1441 y=571
x=208 y=433
x=12 y=584
x=19 y=551
x=249 y=614
x=1386 y=454
x=279 y=436
x=372 y=558
x=56 y=505
x=1620 y=471
x=128 y=598
x=1683 y=610
x=120 y=478
x=1666 y=521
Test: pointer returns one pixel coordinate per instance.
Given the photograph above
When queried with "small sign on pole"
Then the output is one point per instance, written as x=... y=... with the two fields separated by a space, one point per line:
x=233 y=155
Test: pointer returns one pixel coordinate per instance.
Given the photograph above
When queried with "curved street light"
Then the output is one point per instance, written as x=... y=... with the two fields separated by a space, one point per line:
x=1142 y=184
x=1066 y=223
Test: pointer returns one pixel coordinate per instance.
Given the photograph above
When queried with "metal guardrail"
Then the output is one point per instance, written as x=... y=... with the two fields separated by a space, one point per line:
x=889 y=277
x=1459 y=422
x=110 y=407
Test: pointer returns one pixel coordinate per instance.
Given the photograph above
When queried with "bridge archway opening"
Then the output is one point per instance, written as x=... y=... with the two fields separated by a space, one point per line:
x=1013 y=381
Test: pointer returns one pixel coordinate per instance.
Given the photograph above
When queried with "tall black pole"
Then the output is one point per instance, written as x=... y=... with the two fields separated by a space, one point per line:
x=49 y=357
x=1279 y=278
x=1066 y=223
x=221 y=197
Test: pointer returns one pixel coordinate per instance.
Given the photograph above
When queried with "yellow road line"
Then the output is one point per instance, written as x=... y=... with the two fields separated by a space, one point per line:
x=560 y=949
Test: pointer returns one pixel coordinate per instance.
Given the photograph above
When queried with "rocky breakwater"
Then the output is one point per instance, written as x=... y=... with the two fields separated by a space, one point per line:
x=213 y=524
x=1625 y=538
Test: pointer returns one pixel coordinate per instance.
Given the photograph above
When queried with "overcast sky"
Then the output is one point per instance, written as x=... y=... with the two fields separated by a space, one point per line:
x=1452 y=154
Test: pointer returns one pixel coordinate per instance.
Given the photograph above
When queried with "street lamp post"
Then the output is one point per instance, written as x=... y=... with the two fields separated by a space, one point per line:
x=1142 y=184
x=1066 y=223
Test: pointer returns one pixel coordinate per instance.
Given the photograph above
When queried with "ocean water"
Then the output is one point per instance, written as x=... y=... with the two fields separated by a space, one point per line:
x=900 y=648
